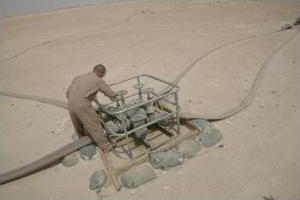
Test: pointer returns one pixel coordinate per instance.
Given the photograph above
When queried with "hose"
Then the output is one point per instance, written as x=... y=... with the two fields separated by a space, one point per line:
x=248 y=99
x=208 y=53
x=49 y=101
x=45 y=161
x=176 y=80
x=60 y=153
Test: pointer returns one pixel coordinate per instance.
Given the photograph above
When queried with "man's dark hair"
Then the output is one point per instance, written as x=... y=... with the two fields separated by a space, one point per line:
x=99 y=68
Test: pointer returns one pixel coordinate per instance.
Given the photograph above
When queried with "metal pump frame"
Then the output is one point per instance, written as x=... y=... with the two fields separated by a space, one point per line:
x=170 y=98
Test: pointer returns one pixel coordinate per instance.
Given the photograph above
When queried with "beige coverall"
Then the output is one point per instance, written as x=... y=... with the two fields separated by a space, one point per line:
x=80 y=93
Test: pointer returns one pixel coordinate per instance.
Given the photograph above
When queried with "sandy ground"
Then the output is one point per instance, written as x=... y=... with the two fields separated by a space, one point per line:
x=40 y=54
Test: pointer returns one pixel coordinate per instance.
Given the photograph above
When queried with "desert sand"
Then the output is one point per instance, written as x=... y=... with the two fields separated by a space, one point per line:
x=41 y=53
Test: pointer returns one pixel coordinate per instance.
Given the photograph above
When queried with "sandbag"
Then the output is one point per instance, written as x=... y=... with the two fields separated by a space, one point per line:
x=138 y=176
x=211 y=137
x=98 y=180
x=188 y=148
x=165 y=159
x=70 y=160
x=202 y=124
x=87 y=152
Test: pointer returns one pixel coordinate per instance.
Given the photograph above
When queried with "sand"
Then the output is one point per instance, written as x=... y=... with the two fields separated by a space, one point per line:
x=41 y=53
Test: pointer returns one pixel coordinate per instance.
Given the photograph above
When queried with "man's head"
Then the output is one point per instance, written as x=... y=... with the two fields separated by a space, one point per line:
x=100 y=70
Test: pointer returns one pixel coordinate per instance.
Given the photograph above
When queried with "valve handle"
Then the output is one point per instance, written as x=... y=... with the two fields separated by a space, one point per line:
x=120 y=96
x=121 y=92
x=148 y=90
x=138 y=86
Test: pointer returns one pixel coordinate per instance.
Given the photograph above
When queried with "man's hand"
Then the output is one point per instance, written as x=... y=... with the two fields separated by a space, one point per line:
x=114 y=98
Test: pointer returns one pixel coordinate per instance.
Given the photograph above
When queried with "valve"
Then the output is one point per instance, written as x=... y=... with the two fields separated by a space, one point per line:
x=139 y=87
x=148 y=91
x=120 y=97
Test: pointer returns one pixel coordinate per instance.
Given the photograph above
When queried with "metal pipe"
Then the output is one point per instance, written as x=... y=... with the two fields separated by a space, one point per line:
x=139 y=104
x=139 y=88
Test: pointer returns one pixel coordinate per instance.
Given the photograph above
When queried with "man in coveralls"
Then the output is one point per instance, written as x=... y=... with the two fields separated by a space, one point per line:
x=80 y=94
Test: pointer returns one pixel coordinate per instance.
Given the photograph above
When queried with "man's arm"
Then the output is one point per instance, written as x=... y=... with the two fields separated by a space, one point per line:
x=106 y=90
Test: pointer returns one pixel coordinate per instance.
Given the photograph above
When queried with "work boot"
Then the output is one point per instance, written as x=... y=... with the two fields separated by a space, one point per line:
x=104 y=145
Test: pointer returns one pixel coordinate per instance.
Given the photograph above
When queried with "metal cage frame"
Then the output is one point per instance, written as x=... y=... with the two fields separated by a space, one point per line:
x=157 y=97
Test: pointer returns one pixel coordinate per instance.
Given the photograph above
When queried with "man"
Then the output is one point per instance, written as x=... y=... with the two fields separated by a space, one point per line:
x=80 y=94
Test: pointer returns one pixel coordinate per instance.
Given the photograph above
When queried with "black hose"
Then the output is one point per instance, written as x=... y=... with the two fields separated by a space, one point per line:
x=60 y=153
x=45 y=161
x=49 y=101
x=248 y=99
